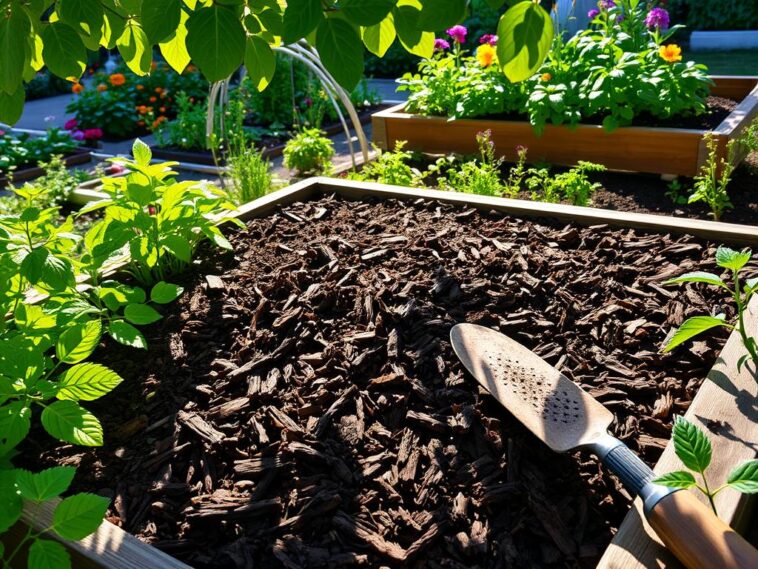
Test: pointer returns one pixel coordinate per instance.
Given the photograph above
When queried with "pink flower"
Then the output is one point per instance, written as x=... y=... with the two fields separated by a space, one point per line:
x=93 y=134
x=458 y=33
x=594 y=13
x=2 y=133
x=441 y=45
x=606 y=4
x=70 y=124
x=78 y=135
x=488 y=38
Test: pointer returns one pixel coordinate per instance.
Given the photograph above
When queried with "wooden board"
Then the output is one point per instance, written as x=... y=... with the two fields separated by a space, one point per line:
x=80 y=156
x=671 y=151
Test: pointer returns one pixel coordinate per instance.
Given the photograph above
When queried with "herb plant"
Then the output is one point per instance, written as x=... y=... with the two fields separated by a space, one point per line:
x=249 y=173
x=573 y=186
x=390 y=168
x=309 y=152
x=714 y=177
x=694 y=449
x=480 y=176
x=740 y=290
x=517 y=173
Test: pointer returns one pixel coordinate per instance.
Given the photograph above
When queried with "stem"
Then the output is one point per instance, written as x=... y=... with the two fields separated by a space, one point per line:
x=708 y=493
x=741 y=308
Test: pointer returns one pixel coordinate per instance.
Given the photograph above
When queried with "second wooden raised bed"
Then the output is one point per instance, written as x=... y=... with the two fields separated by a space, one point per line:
x=672 y=151
x=79 y=156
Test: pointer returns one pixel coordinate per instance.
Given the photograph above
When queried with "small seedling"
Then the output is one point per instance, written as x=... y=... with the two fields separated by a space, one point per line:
x=677 y=192
x=732 y=261
x=694 y=449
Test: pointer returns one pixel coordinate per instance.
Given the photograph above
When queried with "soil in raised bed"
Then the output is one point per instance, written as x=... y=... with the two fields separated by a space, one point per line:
x=301 y=406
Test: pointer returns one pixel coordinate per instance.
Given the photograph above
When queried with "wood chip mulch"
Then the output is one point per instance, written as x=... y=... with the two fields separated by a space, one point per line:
x=301 y=406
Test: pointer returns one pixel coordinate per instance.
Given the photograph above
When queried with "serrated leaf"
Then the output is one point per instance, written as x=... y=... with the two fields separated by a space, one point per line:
x=336 y=42
x=45 y=485
x=160 y=18
x=691 y=445
x=11 y=504
x=78 y=342
x=163 y=292
x=141 y=314
x=367 y=12
x=48 y=554
x=731 y=259
x=525 y=34
x=87 y=382
x=260 y=62
x=125 y=333
x=216 y=42
x=142 y=153
x=69 y=422
x=300 y=18
x=135 y=48
x=744 y=478
x=80 y=515
x=15 y=422
x=692 y=327
x=64 y=52
x=697 y=277
x=679 y=479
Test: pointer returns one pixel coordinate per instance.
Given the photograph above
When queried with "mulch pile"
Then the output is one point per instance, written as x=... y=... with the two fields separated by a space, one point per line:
x=301 y=405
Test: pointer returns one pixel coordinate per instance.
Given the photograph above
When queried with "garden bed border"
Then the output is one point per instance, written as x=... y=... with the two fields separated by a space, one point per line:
x=667 y=151
x=722 y=397
x=75 y=158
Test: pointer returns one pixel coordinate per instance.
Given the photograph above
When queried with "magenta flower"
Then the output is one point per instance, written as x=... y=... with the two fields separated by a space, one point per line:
x=606 y=4
x=458 y=33
x=594 y=13
x=657 y=18
x=441 y=45
x=490 y=39
x=78 y=135
x=93 y=134
x=70 y=124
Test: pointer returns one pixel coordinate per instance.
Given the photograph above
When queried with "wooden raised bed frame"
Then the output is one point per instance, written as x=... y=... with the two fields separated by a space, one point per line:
x=78 y=156
x=721 y=398
x=672 y=151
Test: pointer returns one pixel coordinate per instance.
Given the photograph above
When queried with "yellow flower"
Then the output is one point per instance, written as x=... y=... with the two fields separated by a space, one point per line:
x=546 y=77
x=670 y=53
x=486 y=55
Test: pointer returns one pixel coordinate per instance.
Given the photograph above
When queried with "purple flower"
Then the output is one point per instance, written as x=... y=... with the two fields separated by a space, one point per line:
x=618 y=18
x=488 y=38
x=657 y=18
x=440 y=45
x=594 y=13
x=458 y=33
x=606 y=4
x=78 y=135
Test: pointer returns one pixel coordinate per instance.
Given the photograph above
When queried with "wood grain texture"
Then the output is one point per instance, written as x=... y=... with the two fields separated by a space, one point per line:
x=728 y=399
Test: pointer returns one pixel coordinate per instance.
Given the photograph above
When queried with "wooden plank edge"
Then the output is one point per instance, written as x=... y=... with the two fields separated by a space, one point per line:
x=741 y=117
x=723 y=395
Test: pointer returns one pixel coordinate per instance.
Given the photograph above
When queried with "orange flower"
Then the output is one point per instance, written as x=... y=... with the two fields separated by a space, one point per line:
x=153 y=65
x=102 y=87
x=158 y=90
x=191 y=68
x=140 y=123
x=157 y=122
x=546 y=77
x=142 y=109
x=486 y=55
x=162 y=109
x=153 y=99
x=117 y=79
x=140 y=86
x=77 y=88
x=671 y=53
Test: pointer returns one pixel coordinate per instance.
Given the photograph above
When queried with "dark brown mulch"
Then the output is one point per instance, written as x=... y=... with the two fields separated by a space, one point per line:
x=301 y=406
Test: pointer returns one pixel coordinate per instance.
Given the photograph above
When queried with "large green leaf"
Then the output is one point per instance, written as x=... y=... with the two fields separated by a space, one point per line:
x=526 y=33
x=15 y=421
x=113 y=27
x=678 y=479
x=744 y=478
x=368 y=12
x=11 y=504
x=48 y=554
x=338 y=45
x=174 y=48
x=80 y=515
x=64 y=52
x=411 y=37
x=14 y=49
x=300 y=18
x=125 y=333
x=135 y=48
x=42 y=486
x=69 y=422
x=731 y=259
x=12 y=106
x=260 y=62
x=160 y=18
x=691 y=445
x=84 y=16
x=379 y=38
x=438 y=15
x=78 y=342
x=216 y=42
x=163 y=292
x=141 y=314
x=87 y=382
x=692 y=327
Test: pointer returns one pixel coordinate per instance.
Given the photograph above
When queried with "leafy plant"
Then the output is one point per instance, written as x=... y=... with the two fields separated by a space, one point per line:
x=677 y=192
x=694 y=449
x=250 y=174
x=390 y=168
x=714 y=177
x=741 y=291
x=480 y=176
x=517 y=173
x=24 y=150
x=573 y=186
x=188 y=130
x=309 y=152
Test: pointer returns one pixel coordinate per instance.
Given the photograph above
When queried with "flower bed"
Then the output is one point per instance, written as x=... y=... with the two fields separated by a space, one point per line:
x=23 y=152
x=333 y=383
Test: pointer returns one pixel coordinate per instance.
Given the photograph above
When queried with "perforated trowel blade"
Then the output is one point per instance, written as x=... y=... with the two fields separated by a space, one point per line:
x=549 y=404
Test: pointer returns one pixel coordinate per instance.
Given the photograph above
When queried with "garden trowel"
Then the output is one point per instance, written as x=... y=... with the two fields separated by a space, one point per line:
x=565 y=417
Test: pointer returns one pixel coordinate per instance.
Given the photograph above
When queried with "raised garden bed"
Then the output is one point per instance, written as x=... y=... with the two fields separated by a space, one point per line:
x=24 y=174
x=672 y=151
x=301 y=405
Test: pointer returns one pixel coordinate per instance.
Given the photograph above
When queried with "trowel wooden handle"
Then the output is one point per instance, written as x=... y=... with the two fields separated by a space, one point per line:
x=697 y=537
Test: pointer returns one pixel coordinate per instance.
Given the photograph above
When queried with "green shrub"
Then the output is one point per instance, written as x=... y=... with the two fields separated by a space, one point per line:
x=249 y=173
x=309 y=152
x=23 y=150
x=187 y=130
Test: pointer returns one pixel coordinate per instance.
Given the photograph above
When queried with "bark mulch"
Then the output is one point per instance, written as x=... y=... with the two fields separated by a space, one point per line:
x=301 y=406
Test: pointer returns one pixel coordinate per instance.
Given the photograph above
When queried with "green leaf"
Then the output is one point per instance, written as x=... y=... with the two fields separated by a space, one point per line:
x=692 y=327
x=113 y=27
x=14 y=32
x=135 y=48
x=142 y=153
x=692 y=446
x=125 y=333
x=367 y=12
x=48 y=554
x=300 y=18
x=160 y=18
x=78 y=342
x=697 y=277
x=174 y=48
x=84 y=16
x=11 y=504
x=411 y=37
x=338 y=45
x=40 y=266
x=526 y=33
x=45 y=485
x=441 y=14
x=141 y=314
x=163 y=292
x=64 y=52
x=69 y=422
x=678 y=479
x=12 y=106
x=744 y=478
x=216 y=42
x=178 y=246
x=87 y=382
x=260 y=62
x=380 y=37
x=15 y=422
x=80 y=515
x=730 y=259
x=33 y=265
